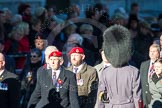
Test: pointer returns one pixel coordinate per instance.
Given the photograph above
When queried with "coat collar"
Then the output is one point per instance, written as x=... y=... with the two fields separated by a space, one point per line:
x=61 y=75
x=147 y=65
x=84 y=68
x=3 y=75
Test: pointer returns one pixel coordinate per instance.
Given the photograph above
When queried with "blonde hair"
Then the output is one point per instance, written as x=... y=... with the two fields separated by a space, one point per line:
x=20 y=28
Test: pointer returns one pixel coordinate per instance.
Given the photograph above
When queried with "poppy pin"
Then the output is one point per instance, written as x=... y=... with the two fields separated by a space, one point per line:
x=60 y=81
x=161 y=82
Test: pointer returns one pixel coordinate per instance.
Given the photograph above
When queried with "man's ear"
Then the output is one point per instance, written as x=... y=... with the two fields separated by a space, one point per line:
x=3 y=63
x=83 y=56
x=61 y=61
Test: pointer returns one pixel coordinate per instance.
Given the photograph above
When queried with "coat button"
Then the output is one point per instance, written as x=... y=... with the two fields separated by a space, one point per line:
x=146 y=92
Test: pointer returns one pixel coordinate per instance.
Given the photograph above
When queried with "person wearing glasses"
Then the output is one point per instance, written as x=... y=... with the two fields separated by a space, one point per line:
x=30 y=75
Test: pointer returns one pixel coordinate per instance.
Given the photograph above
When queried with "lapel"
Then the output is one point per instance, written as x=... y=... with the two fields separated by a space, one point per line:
x=70 y=68
x=49 y=76
x=147 y=66
x=146 y=71
x=49 y=71
x=62 y=75
x=84 y=68
x=3 y=76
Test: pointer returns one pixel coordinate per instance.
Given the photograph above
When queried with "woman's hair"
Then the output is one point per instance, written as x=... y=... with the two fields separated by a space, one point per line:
x=37 y=51
x=159 y=60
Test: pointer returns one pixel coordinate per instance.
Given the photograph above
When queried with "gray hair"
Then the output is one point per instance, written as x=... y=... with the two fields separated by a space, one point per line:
x=48 y=51
x=157 y=46
x=75 y=38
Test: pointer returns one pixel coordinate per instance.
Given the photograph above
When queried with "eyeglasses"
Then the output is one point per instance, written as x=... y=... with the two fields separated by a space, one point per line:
x=33 y=56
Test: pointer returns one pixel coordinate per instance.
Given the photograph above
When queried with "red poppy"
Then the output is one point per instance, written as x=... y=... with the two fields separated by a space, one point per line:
x=60 y=81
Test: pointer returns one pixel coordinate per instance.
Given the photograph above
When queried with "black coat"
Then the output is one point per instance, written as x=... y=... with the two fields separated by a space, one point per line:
x=9 y=90
x=45 y=95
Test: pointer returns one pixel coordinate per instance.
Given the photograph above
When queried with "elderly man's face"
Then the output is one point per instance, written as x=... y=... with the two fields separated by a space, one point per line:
x=77 y=59
x=55 y=62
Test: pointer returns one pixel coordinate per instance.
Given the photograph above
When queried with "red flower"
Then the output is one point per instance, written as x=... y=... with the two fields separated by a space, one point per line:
x=60 y=81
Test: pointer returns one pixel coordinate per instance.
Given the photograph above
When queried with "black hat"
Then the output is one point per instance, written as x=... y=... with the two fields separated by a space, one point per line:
x=117 y=45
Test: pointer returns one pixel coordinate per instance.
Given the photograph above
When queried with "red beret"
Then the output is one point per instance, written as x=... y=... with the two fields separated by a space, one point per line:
x=55 y=54
x=76 y=50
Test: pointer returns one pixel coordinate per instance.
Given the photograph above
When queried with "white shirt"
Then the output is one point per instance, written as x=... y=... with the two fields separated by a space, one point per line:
x=79 y=68
x=57 y=72
x=106 y=64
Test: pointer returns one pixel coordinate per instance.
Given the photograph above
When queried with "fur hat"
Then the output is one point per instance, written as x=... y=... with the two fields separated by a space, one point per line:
x=117 y=45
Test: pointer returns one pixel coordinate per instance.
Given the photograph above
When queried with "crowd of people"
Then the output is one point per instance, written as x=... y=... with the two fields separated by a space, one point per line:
x=83 y=67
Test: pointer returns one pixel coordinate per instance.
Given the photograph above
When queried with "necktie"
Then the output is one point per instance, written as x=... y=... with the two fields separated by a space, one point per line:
x=151 y=70
x=77 y=74
x=54 y=77
x=75 y=70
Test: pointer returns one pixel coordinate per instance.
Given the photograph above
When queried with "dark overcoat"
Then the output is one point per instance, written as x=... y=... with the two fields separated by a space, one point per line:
x=9 y=90
x=45 y=95
x=144 y=81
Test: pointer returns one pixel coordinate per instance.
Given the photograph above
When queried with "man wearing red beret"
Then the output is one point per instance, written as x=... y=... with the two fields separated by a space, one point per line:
x=86 y=78
x=56 y=87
